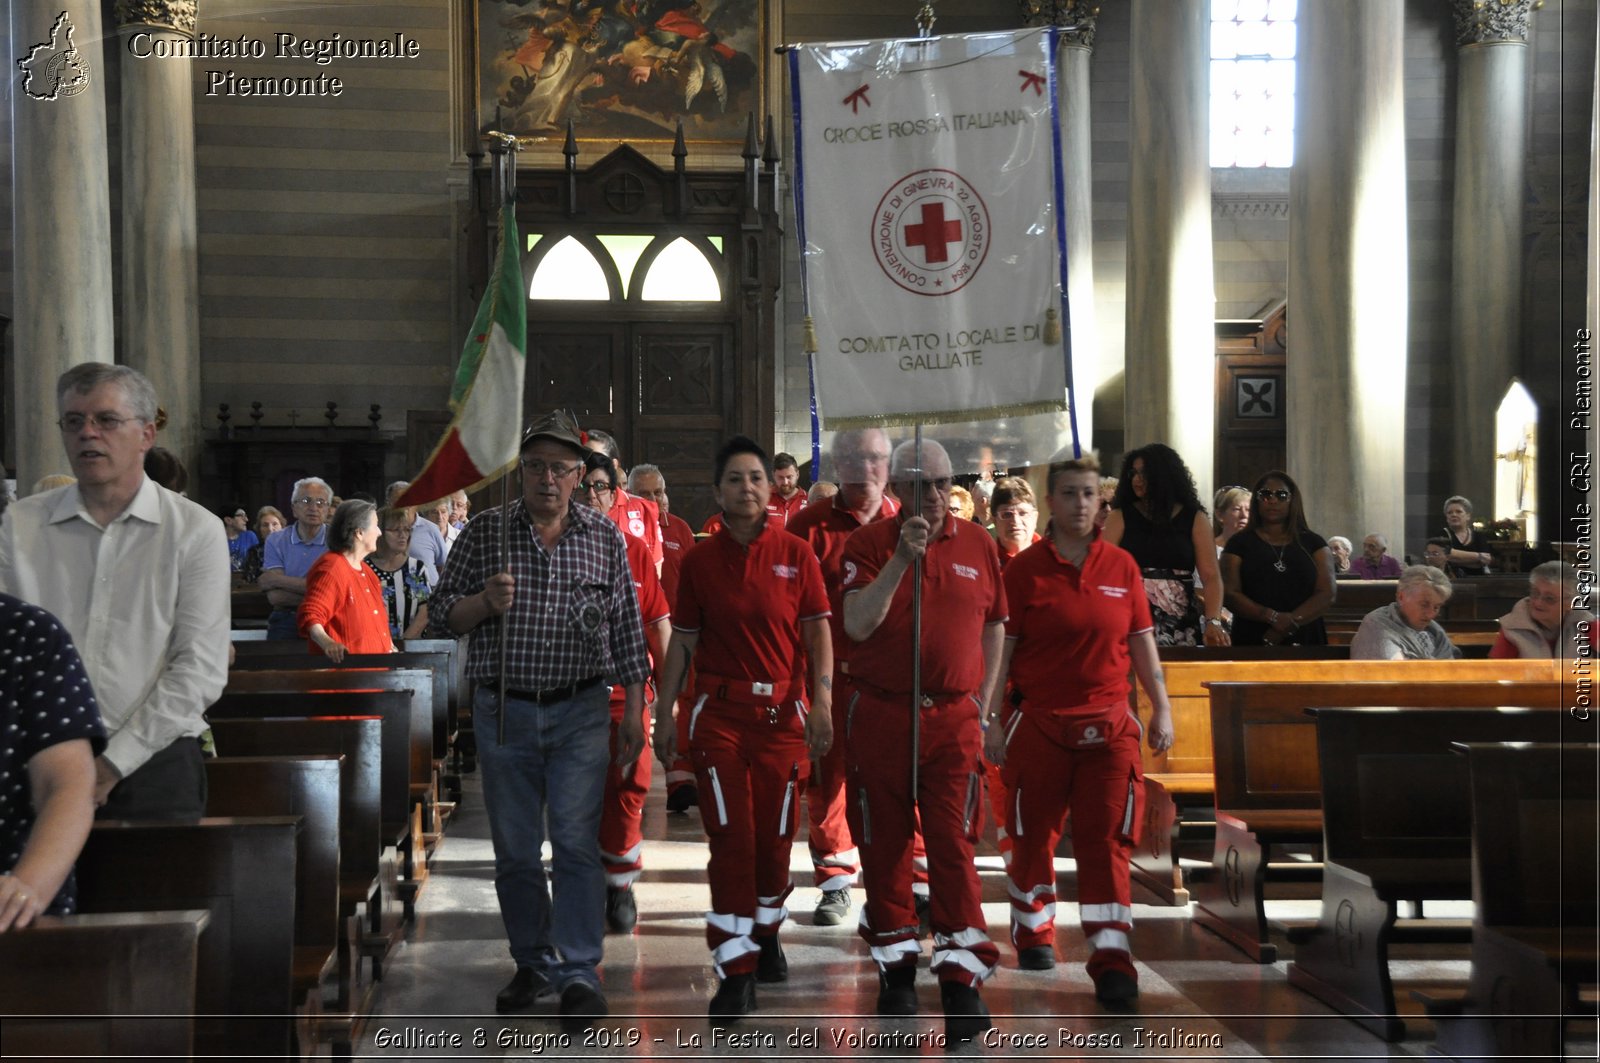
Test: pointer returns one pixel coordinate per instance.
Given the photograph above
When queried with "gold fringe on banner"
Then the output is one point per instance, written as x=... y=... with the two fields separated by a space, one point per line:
x=926 y=417
x=810 y=335
x=1052 y=327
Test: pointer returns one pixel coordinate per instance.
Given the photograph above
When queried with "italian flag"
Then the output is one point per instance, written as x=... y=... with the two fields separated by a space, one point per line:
x=486 y=398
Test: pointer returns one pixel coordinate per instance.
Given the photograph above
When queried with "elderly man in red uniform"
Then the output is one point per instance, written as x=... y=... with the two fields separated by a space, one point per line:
x=960 y=660
x=861 y=461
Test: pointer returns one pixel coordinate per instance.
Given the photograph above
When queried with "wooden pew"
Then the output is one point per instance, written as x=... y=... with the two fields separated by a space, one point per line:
x=80 y=986
x=1534 y=824
x=243 y=872
x=1268 y=785
x=1178 y=783
x=1358 y=597
x=458 y=706
x=307 y=787
x=1396 y=815
x=362 y=870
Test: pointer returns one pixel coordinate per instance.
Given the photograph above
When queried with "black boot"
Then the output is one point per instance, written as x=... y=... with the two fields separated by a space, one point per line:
x=772 y=966
x=897 y=990
x=965 y=1017
x=736 y=996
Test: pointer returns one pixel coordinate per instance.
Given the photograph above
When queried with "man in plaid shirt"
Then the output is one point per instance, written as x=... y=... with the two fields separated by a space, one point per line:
x=574 y=631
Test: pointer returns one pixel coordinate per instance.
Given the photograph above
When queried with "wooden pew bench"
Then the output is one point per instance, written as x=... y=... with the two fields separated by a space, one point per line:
x=1396 y=813
x=1179 y=797
x=241 y=870
x=1534 y=824
x=1268 y=785
x=307 y=787
x=367 y=920
x=390 y=695
x=79 y=986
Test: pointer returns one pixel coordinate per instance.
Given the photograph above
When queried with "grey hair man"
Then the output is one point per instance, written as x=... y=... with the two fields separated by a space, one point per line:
x=138 y=576
x=289 y=554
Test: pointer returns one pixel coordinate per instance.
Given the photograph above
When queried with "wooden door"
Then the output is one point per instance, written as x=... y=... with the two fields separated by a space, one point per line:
x=1251 y=372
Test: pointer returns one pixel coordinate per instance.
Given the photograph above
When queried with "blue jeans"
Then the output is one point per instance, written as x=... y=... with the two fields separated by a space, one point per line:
x=283 y=624
x=551 y=772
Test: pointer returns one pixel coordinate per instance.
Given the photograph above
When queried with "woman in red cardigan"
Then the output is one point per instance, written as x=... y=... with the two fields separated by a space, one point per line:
x=343 y=611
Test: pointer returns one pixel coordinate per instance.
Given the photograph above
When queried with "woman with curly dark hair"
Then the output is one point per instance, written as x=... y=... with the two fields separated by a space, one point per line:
x=1278 y=573
x=1157 y=517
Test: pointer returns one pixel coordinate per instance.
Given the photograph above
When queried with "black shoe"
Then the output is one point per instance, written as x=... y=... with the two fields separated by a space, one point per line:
x=1037 y=958
x=1117 y=990
x=525 y=987
x=965 y=1016
x=622 y=912
x=897 y=991
x=832 y=908
x=924 y=913
x=682 y=798
x=581 y=1006
x=736 y=996
x=772 y=966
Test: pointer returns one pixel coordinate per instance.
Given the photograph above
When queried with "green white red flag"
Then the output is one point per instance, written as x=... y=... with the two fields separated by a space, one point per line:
x=486 y=398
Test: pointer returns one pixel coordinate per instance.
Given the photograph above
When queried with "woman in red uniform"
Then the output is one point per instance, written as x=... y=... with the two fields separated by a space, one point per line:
x=752 y=612
x=344 y=611
x=1078 y=614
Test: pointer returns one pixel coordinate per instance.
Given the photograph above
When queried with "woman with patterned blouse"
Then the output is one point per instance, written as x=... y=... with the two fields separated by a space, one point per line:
x=407 y=581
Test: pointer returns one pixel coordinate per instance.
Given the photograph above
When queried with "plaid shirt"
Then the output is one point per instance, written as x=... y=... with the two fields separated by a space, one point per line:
x=574 y=613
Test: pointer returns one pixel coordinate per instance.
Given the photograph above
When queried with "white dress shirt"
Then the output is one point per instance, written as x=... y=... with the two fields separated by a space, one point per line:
x=145 y=598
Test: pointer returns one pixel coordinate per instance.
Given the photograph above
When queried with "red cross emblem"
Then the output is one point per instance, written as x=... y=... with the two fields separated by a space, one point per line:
x=934 y=234
x=1033 y=81
x=857 y=100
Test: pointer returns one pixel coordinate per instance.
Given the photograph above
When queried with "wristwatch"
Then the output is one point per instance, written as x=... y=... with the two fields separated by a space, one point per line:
x=1214 y=621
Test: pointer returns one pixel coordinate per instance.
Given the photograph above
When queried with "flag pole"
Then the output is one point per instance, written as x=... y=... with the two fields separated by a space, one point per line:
x=506 y=179
x=916 y=628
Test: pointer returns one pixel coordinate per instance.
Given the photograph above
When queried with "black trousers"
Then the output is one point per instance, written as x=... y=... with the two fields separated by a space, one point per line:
x=170 y=785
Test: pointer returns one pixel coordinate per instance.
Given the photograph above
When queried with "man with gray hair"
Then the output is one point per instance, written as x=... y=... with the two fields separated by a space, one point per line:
x=289 y=554
x=1406 y=630
x=138 y=576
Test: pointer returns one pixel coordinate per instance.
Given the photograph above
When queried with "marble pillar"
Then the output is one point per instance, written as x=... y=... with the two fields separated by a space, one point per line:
x=1171 y=300
x=1346 y=388
x=160 y=282
x=61 y=216
x=1486 y=238
x=1077 y=18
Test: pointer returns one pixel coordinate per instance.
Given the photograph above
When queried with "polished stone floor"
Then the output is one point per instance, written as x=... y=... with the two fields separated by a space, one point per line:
x=1199 y=998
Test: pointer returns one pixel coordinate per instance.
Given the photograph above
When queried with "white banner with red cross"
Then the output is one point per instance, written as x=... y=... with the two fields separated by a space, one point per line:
x=926 y=193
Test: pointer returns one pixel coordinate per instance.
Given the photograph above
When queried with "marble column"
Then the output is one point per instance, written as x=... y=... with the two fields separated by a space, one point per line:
x=160 y=285
x=1346 y=388
x=1486 y=239
x=61 y=216
x=1077 y=48
x=1171 y=300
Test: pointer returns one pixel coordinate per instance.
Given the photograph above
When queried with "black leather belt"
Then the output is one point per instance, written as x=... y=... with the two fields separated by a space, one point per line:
x=555 y=694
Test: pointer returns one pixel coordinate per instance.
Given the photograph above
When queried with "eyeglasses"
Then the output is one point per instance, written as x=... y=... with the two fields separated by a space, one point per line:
x=537 y=469
x=1280 y=494
x=596 y=488
x=106 y=422
x=314 y=503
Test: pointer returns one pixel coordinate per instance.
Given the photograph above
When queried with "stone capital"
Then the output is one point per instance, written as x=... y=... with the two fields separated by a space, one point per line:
x=1083 y=14
x=1491 y=21
x=175 y=15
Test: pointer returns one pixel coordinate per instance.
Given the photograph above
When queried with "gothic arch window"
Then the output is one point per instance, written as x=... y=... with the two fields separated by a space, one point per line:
x=625 y=267
x=1252 y=83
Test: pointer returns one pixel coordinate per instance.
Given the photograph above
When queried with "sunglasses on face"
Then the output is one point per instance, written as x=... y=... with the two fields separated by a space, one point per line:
x=1280 y=494
x=596 y=488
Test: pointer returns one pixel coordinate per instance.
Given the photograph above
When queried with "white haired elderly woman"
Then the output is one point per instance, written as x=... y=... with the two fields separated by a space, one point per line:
x=1339 y=549
x=1547 y=623
x=1405 y=630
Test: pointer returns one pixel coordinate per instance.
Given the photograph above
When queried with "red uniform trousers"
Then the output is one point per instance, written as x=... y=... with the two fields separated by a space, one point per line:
x=1088 y=761
x=750 y=763
x=950 y=801
x=621 y=805
x=834 y=859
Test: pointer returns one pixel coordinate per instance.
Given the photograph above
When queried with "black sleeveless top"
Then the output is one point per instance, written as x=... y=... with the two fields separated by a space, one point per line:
x=1169 y=546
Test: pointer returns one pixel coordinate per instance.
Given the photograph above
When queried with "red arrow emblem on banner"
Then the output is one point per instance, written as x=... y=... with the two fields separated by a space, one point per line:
x=1036 y=81
x=856 y=99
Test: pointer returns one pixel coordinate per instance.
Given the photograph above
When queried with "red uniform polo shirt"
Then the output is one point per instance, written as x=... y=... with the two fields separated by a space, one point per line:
x=638 y=517
x=712 y=525
x=676 y=538
x=961 y=593
x=785 y=510
x=1071 y=625
x=1006 y=559
x=652 y=599
x=747 y=603
x=826 y=528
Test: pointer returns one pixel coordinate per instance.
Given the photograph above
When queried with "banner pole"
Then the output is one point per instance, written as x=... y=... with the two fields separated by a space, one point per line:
x=916 y=629
x=507 y=174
